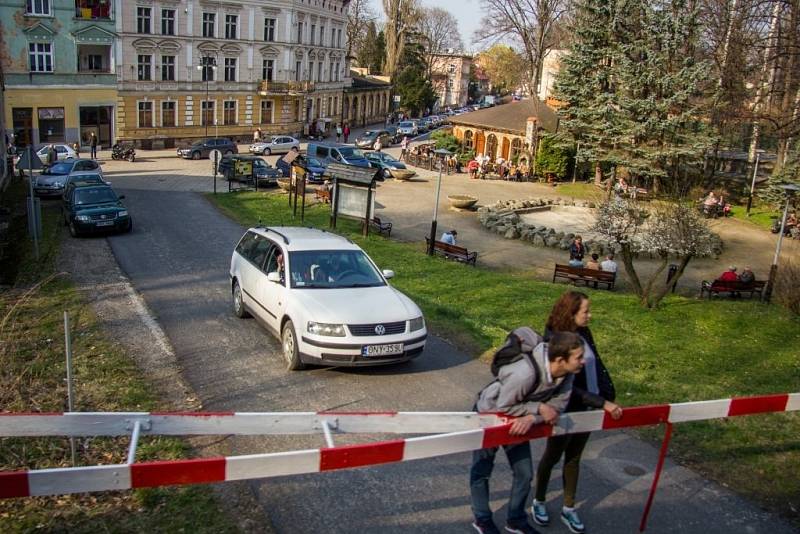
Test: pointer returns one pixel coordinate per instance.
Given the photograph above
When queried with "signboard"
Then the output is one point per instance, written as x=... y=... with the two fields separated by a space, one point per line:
x=244 y=168
x=397 y=98
x=352 y=201
x=51 y=113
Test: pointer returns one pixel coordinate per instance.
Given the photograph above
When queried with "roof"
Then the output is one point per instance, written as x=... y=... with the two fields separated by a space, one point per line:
x=300 y=238
x=367 y=82
x=353 y=174
x=511 y=117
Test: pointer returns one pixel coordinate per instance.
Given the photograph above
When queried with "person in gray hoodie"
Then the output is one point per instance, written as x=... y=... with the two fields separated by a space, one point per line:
x=535 y=390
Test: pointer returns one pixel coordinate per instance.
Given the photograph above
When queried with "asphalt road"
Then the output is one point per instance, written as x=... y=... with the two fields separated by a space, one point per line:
x=177 y=258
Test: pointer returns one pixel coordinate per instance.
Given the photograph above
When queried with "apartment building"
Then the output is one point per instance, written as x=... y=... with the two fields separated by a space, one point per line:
x=59 y=62
x=196 y=68
x=450 y=79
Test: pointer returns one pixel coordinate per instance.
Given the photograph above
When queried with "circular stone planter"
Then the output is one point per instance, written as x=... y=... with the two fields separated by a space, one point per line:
x=285 y=183
x=462 y=202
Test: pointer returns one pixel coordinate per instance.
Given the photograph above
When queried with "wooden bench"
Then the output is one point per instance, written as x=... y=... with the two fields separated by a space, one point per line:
x=587 y=276
x=733 y=287
x=323 y=195
x=453 y=252
x=383 y=228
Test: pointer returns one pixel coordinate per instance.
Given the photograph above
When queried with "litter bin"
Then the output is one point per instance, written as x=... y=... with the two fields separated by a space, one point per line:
x=671 y=271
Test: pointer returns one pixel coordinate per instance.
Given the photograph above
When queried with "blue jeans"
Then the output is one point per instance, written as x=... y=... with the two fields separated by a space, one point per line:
x=519 y=458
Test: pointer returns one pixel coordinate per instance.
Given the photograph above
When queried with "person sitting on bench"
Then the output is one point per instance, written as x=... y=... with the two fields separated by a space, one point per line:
x=594 y=263
x=729 y=275
x=747 y=276
x=449 y=237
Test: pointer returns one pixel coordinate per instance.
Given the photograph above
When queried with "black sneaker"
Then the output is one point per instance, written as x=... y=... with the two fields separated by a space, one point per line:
x=485 y=526
x=521 y=527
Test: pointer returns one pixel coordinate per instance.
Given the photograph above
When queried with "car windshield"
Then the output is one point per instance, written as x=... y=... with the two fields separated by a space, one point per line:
x=95 y=195
x=314 y=162
x=406 y=125
x=332 y=269
x=370 y=133
x=198 y=143
x=351 y=152
x=60 y=168
x=260 y=163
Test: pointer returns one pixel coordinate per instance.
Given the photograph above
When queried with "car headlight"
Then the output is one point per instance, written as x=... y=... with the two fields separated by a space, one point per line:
x=122 y=213
x=415 y=324
x=325 y=329
x=82 y=218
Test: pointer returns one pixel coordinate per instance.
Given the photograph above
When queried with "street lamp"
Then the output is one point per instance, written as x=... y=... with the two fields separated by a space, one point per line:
x=441 y=154
x=789 y=190
x=208 y=63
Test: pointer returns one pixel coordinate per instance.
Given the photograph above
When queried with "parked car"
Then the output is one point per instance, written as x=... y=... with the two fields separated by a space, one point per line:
x=51 y=181
x=91 y=208
x=62 y=151
x=394 y=134
x=391 y=166
x=204 y=147
x=244 y=167
x=315 y=168
x=275 y=145
x=324 y=298
x=337 y=153
x=368 y=138
x=408 y=128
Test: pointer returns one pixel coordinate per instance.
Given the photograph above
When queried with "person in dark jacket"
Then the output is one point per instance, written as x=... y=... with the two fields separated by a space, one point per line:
x=592 y=389
x=576 y=252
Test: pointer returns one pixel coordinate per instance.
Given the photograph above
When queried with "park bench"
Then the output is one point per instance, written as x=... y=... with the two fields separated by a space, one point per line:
x=323 y=195
x=587 y=276
x=453 y=252
x=383 y=228
x=732 y=287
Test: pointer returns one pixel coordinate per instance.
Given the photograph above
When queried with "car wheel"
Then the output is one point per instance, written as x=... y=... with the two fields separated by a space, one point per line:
x=387 y=173
x=291 y=353
x=72 y=230
x=128 y=228
x=267 y=152
x=131 y=158
x=238 y=303
x=228 y=152
x=195 y=155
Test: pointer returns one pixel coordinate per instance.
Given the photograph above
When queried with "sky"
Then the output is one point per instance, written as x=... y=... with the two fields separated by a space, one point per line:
x=468 y=13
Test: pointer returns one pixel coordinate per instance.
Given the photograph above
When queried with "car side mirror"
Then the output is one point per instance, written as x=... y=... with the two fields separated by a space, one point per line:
x=388 y=273
x=121 y=197
x=274 y=276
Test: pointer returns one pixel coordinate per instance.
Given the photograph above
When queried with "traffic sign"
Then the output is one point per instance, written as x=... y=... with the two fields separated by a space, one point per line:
x=29 y=160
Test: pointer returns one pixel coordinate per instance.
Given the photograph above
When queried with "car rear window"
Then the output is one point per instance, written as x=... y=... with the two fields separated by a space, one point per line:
x=95 y=195
x=351 y=152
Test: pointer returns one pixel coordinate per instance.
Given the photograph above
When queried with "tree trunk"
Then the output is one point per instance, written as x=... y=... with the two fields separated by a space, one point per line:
x=647 y=293
x=627 y=261
x=659 y=295
x=598 y=174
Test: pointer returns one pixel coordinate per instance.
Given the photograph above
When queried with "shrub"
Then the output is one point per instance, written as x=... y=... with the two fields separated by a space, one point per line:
x=446 y=140
x=787 y=286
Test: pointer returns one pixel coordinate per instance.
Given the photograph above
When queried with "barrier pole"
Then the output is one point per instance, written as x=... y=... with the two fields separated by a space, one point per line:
x=137 y=426
x=662 y=455
x=70 y=393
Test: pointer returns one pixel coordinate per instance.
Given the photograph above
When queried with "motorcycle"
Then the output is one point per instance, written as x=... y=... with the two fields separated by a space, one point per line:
x=123 y=152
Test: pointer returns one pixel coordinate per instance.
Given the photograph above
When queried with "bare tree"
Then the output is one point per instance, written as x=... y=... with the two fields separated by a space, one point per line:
x=531 y=23
x=359 y=15
x=401 y=17
x=439 y=31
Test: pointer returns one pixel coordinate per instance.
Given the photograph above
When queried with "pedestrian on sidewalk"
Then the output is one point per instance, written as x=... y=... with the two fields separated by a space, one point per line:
x=403 y=148
x=339 y=132
x=93 y=145
x=534 y=389
x=346 y=132
x=378 y=145
x=592 y=389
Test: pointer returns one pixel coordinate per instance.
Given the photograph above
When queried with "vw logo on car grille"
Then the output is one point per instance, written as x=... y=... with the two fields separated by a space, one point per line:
x=380 y=329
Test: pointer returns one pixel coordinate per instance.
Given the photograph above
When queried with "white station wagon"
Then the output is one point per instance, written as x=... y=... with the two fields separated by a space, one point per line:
x=324 y=298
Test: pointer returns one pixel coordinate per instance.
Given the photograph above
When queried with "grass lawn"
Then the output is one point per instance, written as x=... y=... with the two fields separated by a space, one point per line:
x=32 y=372
x=761 y=214
x=579 y=190
x=688 y=350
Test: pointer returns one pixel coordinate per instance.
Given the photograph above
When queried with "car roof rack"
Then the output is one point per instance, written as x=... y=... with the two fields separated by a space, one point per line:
x=285 y=239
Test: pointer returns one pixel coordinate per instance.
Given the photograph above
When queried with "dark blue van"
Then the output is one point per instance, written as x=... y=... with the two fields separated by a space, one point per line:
x=337 y=153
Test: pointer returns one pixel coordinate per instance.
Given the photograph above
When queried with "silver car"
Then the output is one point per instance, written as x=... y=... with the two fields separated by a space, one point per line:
x=275 y=145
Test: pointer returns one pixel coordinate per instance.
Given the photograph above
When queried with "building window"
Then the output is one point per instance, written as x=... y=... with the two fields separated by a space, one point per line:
x=168 y=22
x=168 y=114
x=297 y=67
x=335 y=105
x=38 y=7
x=313 y=34
x=269 y=29
x=229 y=112
x=207 y=108
x=311 y=71
x=330 y=72
x=337 y=71
x=299 y=32
x=145 y=64
x=267 y=69
x=266 y=112
x=230 y=69
x=339 y=38
x=321 y=35
x=297 y=111
x=51 y=125
x=468 y=139
x=94 y=62
x=449 y=83
x=41 y=57
x=451 y=68
x=333 y=37
x=231 y=22
x=209 y=66
x=209 y=20
x=168 y=68
x=516 y=149
x=319 y=71
x=145 y=114
x=143 y=19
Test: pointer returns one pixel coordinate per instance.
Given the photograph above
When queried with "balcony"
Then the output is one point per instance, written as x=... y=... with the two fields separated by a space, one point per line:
x=267 y=88
x=93 y=9
x=94 y=59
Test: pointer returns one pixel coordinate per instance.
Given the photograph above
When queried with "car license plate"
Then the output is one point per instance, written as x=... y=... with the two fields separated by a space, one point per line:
x=105 y=223
x=382 y=350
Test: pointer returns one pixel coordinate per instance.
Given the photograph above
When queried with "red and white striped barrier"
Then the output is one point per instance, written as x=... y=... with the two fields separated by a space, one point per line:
x=463 y=432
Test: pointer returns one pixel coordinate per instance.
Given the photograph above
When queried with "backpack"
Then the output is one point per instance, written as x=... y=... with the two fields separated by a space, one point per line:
x=519 y=344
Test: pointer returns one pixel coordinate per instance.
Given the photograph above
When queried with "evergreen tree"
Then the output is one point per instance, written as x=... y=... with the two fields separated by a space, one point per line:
x=411 y=83
x=372 y=52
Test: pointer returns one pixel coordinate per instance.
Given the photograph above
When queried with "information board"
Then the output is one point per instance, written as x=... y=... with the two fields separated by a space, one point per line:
x=353 y=200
